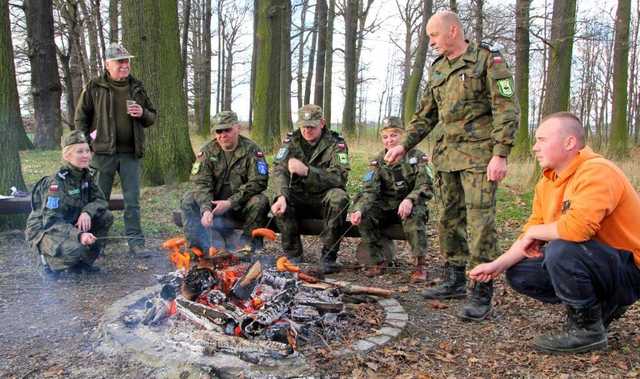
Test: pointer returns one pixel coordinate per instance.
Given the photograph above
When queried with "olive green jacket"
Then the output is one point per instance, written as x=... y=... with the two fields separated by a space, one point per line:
x=95 y=108
x=386 y=186
x=58 y=200
x=328 y=165
x=246 y=175
x=471 y=104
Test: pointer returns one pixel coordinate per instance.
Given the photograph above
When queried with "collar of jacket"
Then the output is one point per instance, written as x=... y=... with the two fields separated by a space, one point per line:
x=103 y=80
x=240 y=151
x=326 y=139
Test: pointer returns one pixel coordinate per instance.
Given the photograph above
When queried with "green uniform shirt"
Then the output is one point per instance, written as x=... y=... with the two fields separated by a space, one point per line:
x=58 y=200
x=237 y=178
x=471 y=103
x=328 y=165
x=387 y=186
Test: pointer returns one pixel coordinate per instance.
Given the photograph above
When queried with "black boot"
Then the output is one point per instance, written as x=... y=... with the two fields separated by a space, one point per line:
x=584 y=332
x=453 y=286
x=610 y=314
x=479 y=305
x=328 y=262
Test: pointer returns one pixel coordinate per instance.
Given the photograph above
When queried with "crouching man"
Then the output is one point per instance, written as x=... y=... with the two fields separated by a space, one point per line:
x=228 y=176
x=581 y=245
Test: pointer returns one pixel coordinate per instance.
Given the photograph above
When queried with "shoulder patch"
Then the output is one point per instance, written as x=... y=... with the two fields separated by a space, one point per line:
x=289 y=134
x=259 y=154
x=425 y=158
x=286 y=140
x=195 y=169
x=342 y=146
x=343 y=158
x=200 y=156
x=262 y=167
x=53 y=188
x=413 y=160
x=505 y=87
x=62 y=174
x=53 y=202
x=282 y=153
x=368 y=176
x=373 y=163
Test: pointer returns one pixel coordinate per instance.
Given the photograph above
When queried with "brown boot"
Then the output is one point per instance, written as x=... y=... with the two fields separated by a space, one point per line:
x=419 y=274
x=375 y=270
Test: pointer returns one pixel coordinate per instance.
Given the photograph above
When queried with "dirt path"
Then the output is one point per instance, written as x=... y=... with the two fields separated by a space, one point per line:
x=47 y=327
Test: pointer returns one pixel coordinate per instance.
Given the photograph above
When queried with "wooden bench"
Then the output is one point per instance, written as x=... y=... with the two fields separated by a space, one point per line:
x=314 y=227
x=23 y=204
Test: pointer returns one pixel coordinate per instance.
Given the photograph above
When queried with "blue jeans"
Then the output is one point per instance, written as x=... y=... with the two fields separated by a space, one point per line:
x=578 y=274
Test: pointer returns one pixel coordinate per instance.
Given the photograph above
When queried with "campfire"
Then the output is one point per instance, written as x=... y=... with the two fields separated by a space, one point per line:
x=255 y=309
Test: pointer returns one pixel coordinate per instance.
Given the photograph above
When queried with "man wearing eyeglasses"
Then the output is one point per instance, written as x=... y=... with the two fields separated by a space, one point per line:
x=112 y=112
x=229 y=176
x=310 y=178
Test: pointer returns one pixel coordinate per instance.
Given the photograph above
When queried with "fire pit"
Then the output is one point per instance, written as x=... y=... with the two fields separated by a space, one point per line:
x=250 y=319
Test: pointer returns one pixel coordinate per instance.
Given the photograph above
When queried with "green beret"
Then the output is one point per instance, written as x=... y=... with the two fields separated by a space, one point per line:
x=73 y=138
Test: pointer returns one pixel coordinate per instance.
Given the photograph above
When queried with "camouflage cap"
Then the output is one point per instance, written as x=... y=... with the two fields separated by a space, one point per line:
x=73 y=138
x=224 y=120
x=310 y=115
x=116 y=52
x=392 y=123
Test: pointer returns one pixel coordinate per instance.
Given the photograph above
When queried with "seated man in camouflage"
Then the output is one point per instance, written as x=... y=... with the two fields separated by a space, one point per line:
x=310 y=179
x=229 y=176
x=395 y=193
x=69 y=213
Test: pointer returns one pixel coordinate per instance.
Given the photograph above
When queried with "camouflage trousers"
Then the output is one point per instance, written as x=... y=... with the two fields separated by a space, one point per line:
x=252 y=215
x=469 y=202
x=60 y=251
x=375 y=218
x=330 y=207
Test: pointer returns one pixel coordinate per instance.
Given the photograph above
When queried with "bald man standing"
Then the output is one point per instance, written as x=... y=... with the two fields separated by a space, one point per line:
x=581 y=245
x=470 y=98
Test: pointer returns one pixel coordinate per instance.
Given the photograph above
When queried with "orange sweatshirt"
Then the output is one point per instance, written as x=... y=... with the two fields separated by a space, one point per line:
x=592 y=199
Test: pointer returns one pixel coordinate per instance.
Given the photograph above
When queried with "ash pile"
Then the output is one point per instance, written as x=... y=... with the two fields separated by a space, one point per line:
x=261 y=310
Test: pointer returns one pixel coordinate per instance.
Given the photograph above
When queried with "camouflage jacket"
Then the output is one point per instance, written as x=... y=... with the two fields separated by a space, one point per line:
x=387 y=186
x=58 y=200
x=328 y=167
x=246 y=175
x=472 y=103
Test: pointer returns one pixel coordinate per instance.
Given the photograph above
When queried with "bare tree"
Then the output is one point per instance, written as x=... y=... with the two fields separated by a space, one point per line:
x=521 y=145
x=321 y=12
x=412 y=88
x=113 y=21
x=328 y=62
x=411 y=16
x=233 y=19
x=619 y=128
x=479 y=20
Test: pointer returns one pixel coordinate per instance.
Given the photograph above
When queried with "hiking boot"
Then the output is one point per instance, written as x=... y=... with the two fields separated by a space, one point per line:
x=453 y=286
x=479 y=305
x=328 y=262
x=139 y=251
x=375 y=270
x=87 y=268
x=419 y=274
x=584 y=332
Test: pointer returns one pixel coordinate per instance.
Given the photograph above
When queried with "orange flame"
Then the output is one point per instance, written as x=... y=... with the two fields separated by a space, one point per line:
x=181 y=259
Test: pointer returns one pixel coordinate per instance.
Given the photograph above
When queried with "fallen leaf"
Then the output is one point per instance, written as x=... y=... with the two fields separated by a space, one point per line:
x=372 y=366
x=403 y=289
x=595 y=359
x=622 y=366
x=437 y=304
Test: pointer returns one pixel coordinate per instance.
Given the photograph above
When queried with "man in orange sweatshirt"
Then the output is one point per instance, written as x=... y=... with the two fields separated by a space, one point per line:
x=581 y=245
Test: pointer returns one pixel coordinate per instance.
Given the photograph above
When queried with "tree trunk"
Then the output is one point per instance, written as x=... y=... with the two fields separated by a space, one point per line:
x=266 y=121
x=521 y=146
x=417 y=70
x=300 y=77
x=479 y=18
x=252 y=85
x=228 y=76
x=10 y=122
x=95 y=66
x=45 y=81
x=350 y=68
x=113 y=21
x=205 y=102
x=328 y=63
x=312 y=53
x=618 y=146
x=285 y=70
x=186 y=15
x=96 y=14
x=453 y=5
x=560 y=53
x=151 y=33
x=321 y=11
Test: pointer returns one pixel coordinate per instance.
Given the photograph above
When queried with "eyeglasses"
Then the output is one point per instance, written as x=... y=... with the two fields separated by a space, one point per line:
x=220 y=131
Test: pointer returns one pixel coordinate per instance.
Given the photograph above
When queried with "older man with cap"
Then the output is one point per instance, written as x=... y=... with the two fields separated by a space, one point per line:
x=229 y=176
x=69 y=213
x=114 y=108
x=310 y=179
x=395 y=193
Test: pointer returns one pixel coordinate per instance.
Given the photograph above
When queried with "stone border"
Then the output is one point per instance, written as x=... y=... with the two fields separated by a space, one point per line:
x=113 y=338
